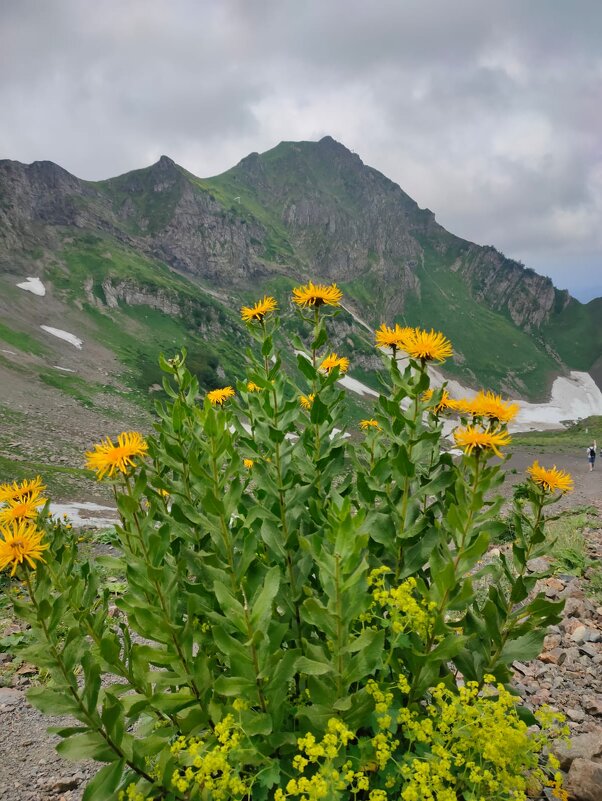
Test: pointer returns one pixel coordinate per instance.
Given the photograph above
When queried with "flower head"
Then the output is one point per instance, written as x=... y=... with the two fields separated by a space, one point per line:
x=367 y=424
x=253 y=387
x=487 y=404
x=550 y=478
x=475 y=439
x=259 y=311
x=20 y=541
x=108 y=458
x=21 y=491
x=21 y=509
x=444 y=403
x=307 y=400
x=217 y=397
x=332 y=361
x=429 y=346
x=394 y=338
x=248 y=463
x=317 y=295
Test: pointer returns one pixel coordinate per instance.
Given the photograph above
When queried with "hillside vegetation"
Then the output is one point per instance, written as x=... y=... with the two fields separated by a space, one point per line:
x=159 y=259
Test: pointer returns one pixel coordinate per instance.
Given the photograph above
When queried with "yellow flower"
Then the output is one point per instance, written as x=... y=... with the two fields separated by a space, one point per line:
x=445 y=403
x=317 y=295
x=252 y=387
x=259 y=310
x=429 y=346
x=108 y=458
x=21 y=509
x=550 y=479
x=218 y=397
x=307 y=400
x=475 y=439
x=332 y=361
x=394 y=338
x=486 y=404
x=23 y=491
x=366 y=424
x=463 y=405
x=248 y=463
x=20 y=541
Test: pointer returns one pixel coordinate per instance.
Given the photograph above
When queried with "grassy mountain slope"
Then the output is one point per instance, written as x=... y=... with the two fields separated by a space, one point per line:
x=159 y=258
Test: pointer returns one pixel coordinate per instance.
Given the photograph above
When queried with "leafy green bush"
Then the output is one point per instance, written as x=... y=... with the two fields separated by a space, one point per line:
x=299 y=619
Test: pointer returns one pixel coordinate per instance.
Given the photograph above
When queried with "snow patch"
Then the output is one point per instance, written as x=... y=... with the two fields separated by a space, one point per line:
x=76 y=514
x=356 y=386
x=573 y=397
x=33 y=285
x=64 y=369
x=57 y=332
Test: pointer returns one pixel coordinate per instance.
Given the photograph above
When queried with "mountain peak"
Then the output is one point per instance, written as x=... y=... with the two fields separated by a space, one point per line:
x=165 y=164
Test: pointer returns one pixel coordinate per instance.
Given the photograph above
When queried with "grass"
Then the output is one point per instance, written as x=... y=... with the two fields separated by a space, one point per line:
x=568 y=547
x=575 y=438
x=22 y=341
x=60 y=481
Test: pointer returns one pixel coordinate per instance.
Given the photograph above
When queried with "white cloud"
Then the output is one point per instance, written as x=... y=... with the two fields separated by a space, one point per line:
x=490 y=116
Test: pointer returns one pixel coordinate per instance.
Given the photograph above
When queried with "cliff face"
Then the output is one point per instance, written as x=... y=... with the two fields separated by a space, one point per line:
x=336 y=218
x=302 y=210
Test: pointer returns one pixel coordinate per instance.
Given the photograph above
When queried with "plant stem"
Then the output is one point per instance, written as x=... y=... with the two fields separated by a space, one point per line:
x=86 y=716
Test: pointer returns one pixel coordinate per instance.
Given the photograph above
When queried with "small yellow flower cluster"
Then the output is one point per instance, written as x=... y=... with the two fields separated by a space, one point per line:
x=130 y=794
x=404 y=611
x=337 y=735
x=207 y=766
x=478 y=745
x=327 y=778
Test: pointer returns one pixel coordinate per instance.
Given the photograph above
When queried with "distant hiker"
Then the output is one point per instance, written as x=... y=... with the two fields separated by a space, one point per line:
x=591 y=455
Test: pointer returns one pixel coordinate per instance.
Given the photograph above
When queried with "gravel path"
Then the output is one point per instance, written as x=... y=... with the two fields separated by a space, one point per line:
x=31 y=768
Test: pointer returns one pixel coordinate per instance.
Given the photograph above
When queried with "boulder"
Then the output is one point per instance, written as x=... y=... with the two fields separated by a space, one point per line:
x=584 y=782
x=587 y=746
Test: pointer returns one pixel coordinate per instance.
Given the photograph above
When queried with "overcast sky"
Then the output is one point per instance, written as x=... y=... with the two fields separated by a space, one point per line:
x=489 y=113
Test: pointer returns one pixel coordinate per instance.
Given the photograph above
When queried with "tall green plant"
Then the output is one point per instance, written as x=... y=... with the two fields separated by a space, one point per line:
x=300 y=618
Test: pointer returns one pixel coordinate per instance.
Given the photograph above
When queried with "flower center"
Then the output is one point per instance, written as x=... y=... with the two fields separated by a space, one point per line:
x=18 y=547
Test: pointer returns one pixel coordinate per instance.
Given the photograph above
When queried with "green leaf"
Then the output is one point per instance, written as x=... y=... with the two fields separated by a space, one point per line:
x=319 y=412
x=233 y=685
x=311 y=667
x=306 y=367
x=523 y=648
x=52 y=702
x=104 y=784
x=86 y=746
x=262 y=607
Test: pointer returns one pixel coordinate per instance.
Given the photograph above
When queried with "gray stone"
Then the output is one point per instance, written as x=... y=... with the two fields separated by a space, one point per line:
x=584 y=782
x=592 y=705
x=9 y=697
x=539 y=565
x=574 y=608
x=583 y=746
